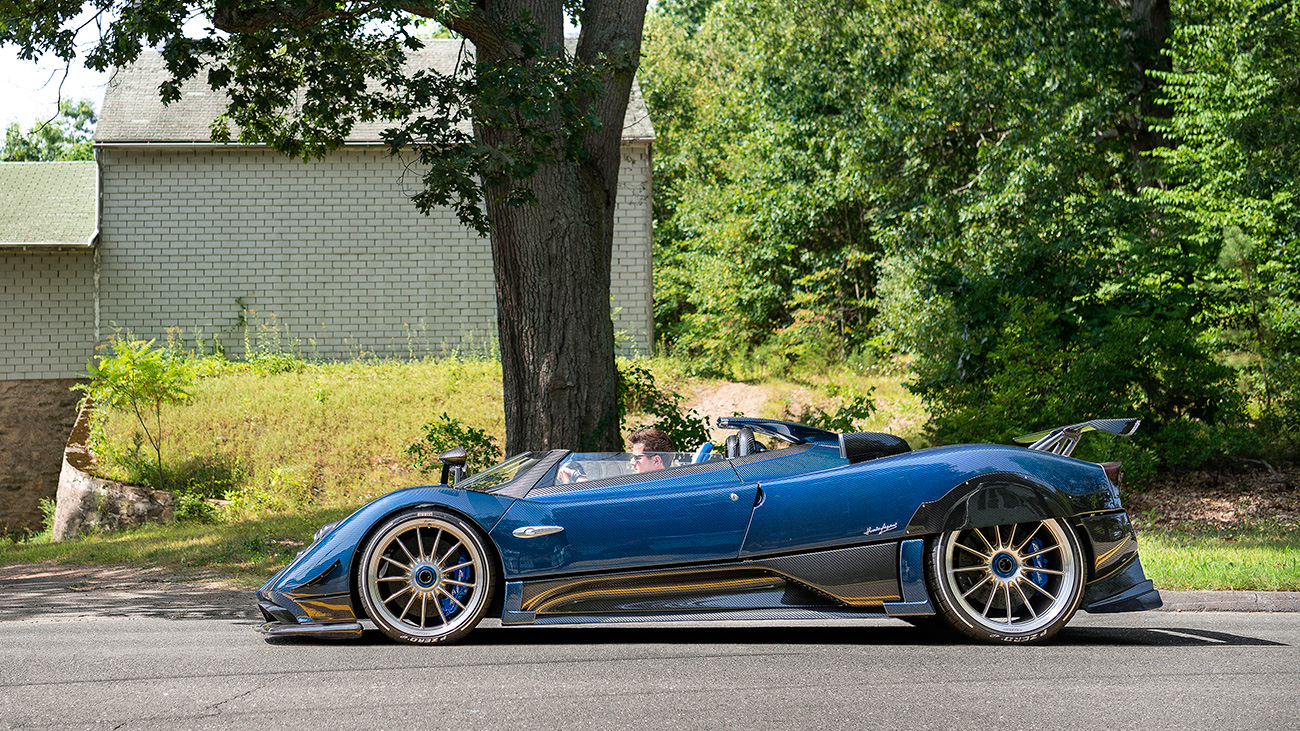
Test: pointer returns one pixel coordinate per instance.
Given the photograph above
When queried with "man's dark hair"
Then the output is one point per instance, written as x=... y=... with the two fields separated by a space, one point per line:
x=652 y=440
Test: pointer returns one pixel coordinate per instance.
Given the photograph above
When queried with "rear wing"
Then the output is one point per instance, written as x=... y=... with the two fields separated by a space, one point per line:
x=1063 y=439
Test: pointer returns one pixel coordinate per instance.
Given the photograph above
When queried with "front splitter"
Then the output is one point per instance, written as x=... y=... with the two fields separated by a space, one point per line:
x=330 y=630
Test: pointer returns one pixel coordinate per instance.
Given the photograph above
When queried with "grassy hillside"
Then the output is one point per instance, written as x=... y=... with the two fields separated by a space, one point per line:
x=267 y=452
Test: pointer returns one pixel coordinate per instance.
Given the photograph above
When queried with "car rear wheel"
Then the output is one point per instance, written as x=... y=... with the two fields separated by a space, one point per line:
x=1010 y=583
x=426 y=577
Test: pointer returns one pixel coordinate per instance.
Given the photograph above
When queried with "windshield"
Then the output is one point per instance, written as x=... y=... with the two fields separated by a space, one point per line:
x=585 y=466
x=493 y=477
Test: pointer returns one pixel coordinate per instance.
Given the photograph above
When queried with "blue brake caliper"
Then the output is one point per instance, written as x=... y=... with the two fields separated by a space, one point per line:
x=1038 y=562
x=462 y=575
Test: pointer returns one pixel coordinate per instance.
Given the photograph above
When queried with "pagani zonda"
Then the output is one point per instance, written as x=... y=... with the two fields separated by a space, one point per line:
x=1003 y=543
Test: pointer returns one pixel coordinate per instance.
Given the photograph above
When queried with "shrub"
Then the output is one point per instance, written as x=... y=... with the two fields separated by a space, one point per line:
x=447 y=433
x=139 y=379
x=285 y=491
x=854 y=409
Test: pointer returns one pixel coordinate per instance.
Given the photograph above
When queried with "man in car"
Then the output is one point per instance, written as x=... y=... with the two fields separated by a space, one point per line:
x=649 y=447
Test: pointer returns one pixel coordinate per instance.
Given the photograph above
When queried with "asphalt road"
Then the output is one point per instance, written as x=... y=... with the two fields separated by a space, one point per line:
x=162 y=655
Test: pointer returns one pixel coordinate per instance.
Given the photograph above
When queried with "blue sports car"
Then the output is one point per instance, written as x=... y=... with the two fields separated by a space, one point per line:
x=1001 y=543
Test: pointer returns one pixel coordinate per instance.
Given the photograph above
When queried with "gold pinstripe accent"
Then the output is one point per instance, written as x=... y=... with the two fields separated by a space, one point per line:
x=327 y=609
x=1118 y=567
x=541 y=609
x=1106 y=556
x=544 y=596
x=549 y=597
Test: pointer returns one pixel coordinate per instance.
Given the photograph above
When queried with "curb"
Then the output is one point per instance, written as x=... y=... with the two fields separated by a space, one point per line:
x=1230 y=601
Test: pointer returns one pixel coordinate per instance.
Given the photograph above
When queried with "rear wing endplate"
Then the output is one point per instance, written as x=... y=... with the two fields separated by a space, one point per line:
x=1063 y=439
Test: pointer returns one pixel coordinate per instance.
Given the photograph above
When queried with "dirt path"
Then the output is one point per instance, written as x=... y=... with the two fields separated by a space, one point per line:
x=729 y=399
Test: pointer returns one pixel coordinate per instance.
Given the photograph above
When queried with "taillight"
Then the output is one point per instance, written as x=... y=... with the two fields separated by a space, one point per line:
x=1114 y=472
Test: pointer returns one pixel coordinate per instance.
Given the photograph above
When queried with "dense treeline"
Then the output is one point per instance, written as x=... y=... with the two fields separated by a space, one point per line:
x=1057 y=210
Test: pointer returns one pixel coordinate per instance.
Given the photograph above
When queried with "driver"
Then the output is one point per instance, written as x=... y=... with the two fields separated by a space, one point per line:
x=649 y=446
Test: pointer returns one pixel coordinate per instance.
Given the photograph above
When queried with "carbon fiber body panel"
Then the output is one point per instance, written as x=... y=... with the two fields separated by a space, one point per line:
x=714 y=616
x=858 y=576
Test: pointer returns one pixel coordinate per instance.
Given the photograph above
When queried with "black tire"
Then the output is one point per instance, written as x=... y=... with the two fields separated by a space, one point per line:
x=1018 y=583
x=426 y=577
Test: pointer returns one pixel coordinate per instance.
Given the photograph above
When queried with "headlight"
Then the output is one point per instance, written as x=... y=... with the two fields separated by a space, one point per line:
x=321 y=531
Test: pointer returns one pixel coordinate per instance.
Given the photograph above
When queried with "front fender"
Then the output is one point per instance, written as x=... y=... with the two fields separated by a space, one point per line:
x=317 y=585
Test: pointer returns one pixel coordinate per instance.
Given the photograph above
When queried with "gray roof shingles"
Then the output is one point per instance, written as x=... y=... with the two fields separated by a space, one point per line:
x=133 y=113
x=48 y=203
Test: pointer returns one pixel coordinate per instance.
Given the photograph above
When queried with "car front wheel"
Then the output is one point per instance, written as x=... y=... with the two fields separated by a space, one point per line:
x=426 y=577
x=1010 y=583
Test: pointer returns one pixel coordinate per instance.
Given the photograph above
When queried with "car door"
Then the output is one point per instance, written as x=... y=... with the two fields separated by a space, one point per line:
x=697 y=513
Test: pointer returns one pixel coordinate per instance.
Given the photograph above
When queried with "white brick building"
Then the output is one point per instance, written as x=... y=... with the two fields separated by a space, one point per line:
x=331 y=255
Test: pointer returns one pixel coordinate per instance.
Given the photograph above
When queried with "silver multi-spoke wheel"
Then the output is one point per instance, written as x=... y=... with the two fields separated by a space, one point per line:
x=1014 y=583
x=425 y=577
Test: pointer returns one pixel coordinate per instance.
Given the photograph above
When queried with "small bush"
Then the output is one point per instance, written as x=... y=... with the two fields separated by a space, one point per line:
x=448 y=433
x=285 y=491
x=194 y=508
x=139 y=379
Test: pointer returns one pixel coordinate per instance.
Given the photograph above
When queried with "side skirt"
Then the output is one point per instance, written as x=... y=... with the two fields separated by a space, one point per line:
x=735 y=614
x=854 y=582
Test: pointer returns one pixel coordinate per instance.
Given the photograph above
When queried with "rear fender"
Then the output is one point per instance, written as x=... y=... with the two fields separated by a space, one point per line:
x=989 y=500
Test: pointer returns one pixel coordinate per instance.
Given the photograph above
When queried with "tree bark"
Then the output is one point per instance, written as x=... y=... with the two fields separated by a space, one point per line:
x=1152 y=21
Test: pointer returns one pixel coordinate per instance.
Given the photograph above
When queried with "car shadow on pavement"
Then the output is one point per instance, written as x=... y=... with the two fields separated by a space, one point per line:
x=51 y=591
x=902 y=634
x=764 y=634
x=1156 y=636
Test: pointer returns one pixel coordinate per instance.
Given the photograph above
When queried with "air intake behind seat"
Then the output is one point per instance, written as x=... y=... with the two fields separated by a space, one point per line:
x=862 y=446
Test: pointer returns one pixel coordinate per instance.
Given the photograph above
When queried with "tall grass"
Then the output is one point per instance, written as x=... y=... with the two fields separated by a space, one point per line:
x=318 y=435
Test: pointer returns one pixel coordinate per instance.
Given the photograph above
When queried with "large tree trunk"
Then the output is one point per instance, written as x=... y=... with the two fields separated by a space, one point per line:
x=1152 y=21
x=552 y=260
x=557 y=341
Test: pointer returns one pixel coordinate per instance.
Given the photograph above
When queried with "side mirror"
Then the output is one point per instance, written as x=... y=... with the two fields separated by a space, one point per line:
x=453 y=462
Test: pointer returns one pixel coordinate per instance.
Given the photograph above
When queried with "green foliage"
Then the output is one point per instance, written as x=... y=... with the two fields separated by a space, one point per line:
x=994 y=190
x=762 y=238
x=1232 y=92
x=447 y=433
x=137 y=378
x=845 y=418
x=192 y=507
x=639 y=394
x=66 y=137
x=286 y=489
